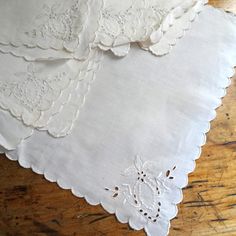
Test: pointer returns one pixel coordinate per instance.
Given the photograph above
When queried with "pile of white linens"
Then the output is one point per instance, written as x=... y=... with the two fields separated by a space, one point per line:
x=112 y=99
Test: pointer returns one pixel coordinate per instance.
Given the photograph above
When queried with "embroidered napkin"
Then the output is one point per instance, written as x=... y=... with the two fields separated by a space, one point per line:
x=49 y=33
x=50 y=24
x=69 y=29
x=46 y=95
x=155 y=24
x=141 y=128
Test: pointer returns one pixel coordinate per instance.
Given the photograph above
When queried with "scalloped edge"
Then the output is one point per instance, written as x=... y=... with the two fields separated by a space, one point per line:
x=228 y=76
x=60 y=44
x=20 y=117
x=95 y=67
x=57 y=47
x=168 y=24
x=69 y=95
x=195 y=5
x=29 y=58
x=19 y=141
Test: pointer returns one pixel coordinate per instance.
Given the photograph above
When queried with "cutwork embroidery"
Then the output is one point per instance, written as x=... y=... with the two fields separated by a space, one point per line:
x=32 y=91
x=144 y=188
x=60 y=24
x=135 y=23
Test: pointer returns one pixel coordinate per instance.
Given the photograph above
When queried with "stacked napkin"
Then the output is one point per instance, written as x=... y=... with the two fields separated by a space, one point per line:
x=128 y=138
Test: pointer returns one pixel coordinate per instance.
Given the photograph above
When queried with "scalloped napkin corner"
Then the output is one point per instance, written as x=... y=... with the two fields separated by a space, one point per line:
x=141 y=129
x=69 y=29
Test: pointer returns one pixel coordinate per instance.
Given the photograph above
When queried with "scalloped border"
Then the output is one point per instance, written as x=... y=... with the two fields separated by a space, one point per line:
x=63 y=46
x=59 y=46
x=197 y=7
x=27 y=57
x=228 y=76
x=20 y=117
x=95 y=67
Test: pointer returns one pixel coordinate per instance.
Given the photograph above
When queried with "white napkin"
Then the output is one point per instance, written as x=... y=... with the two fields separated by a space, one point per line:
x=46 y=95
x=69 y=29
x=141 y=128
x=49 y=24
x=155 y=24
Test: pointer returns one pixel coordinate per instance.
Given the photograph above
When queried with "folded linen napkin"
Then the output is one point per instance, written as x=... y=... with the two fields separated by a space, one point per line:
x=141 y=128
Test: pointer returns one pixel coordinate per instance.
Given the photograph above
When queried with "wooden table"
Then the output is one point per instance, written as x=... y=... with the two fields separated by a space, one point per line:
x=30 y=205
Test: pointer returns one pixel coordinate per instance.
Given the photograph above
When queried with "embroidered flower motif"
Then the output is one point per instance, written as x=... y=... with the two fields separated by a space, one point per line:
x=33 y=91
x=134 y=23
x=115 y=191
x=144 y=187
x=58 y=23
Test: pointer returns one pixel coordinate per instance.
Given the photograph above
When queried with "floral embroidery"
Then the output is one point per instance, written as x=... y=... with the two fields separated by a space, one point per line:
x=144 y=188
x=59 y=23
x=32 y=91
x=135 y=23
x=115 y=191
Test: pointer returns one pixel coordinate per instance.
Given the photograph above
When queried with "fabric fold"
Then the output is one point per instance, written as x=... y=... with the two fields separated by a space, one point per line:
x=53 y=29
x=140 y=132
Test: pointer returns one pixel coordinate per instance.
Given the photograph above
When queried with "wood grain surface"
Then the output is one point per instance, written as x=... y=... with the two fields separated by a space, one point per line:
x=31 y=206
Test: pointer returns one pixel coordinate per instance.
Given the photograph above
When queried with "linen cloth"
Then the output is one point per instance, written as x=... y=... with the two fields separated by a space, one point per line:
x=141 y=128
x=69 y=29
x=52 y=24
x=48 y=94
x=64 y=36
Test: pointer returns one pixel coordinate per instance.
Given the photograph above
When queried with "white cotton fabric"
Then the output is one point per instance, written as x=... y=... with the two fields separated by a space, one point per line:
x=69 y=29
x=155 y=24
x=141 y=128
x=12 y=131
x=55 y=47
x=49 y=24
x=48 y=94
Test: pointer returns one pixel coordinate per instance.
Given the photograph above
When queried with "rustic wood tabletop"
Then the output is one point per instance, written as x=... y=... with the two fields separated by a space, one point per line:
x=31 y=206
